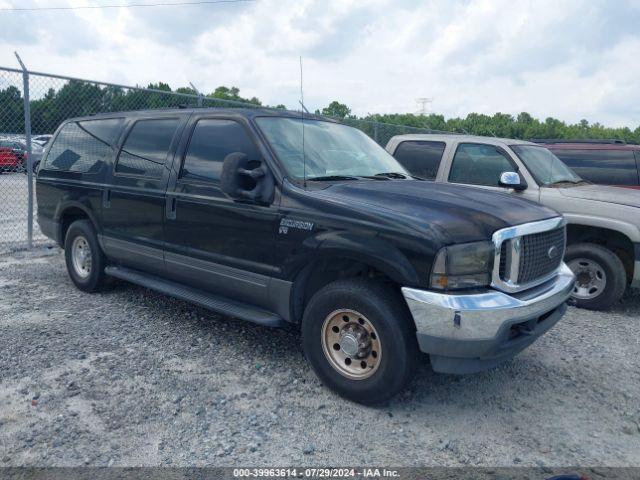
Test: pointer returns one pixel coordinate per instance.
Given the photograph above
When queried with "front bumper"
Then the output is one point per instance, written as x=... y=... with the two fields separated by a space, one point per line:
x=466 y=333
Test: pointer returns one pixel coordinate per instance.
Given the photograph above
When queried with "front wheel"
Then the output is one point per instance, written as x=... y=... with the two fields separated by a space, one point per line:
x=600 y=276
x=360 y=340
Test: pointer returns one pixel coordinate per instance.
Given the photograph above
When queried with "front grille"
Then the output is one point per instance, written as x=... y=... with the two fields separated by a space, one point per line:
x=540 y=254
x=525 y=260
x=503 y=259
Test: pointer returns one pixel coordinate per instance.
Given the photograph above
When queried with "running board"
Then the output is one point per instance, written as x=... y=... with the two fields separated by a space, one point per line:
x=204 y=299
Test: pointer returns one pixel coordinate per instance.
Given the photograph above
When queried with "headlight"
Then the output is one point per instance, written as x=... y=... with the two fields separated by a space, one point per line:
x=463 y=266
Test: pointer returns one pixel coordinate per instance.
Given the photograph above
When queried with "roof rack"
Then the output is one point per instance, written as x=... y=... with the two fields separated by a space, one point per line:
x=579 y=140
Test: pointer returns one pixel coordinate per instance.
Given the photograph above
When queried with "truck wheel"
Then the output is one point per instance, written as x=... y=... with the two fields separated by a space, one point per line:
x=360 y=340
x=84 y=258
x=600 y=276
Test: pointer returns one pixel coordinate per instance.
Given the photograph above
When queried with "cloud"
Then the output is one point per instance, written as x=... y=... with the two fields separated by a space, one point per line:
x=569 y=59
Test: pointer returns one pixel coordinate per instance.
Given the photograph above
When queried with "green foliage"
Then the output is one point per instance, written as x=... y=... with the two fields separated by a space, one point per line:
x=523 y=126
x=77 y=98
x=12 y=112
x=336 y=110
x=233 y=94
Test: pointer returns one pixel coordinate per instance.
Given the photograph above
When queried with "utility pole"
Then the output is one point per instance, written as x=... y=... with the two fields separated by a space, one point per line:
x=423 y=105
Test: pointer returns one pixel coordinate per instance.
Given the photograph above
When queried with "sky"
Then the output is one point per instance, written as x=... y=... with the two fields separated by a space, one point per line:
x=566 y=59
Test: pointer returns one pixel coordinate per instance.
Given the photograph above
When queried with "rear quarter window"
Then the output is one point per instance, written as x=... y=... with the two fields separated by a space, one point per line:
x=606 y=167
x=145 y=150
x=84 y=146
x=420 y=158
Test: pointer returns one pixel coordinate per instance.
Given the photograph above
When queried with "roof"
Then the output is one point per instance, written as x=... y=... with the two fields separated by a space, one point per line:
x=242 y=112
x=590 y=146
x=578 y=140
x=444 y=137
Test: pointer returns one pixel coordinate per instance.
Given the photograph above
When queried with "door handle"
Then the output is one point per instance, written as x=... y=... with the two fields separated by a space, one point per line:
x=106 y=198
x=171 y=207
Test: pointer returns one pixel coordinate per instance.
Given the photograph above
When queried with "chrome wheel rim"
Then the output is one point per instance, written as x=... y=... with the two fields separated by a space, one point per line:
x=81 y=256
x=591 y=278
x=351 y=344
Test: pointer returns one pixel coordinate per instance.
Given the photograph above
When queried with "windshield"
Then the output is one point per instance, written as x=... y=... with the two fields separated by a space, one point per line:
x=330 y=149
x=545 y=167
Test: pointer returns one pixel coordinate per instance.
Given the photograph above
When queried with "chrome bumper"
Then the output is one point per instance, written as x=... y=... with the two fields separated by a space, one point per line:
x=483 y=326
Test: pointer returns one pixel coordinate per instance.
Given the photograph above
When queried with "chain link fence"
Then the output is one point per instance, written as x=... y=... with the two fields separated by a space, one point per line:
x=14 y=198
x=50 y=99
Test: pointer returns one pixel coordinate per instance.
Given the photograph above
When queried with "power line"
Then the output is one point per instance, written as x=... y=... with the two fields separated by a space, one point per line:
x=128 y=5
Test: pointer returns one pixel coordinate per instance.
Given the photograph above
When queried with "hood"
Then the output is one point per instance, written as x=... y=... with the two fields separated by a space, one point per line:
x=603 y=193
x=463 y=214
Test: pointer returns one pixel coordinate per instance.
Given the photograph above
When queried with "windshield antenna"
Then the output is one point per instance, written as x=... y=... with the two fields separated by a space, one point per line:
x=304 y=158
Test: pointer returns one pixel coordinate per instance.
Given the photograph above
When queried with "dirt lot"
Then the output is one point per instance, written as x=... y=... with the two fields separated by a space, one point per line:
x=131 y=377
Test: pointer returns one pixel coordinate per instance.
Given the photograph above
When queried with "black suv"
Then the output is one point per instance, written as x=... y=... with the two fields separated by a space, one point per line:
x=277 y=219
x=603 y=162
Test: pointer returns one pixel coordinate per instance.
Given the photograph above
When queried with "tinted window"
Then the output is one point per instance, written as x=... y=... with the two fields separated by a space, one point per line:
x=478 y=165
x=84 y=146
x=212 y=140
x=145 y=149
x=609 y=167
x=422 y=159
x=545 y=167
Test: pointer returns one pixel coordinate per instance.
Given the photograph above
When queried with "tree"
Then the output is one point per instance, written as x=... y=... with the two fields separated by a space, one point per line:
x=336 y=110
x=77 y=98
x=12 y=116
x=233 y=94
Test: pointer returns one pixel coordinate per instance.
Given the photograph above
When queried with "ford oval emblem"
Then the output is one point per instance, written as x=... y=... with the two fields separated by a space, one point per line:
x=552 y=252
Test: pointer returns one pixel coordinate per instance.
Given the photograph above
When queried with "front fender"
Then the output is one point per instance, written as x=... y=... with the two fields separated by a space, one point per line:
x=630 y=230
x=369 y=250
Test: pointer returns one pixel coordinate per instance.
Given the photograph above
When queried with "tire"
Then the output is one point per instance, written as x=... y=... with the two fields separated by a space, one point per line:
x=601 y=277
x=86 y=272
x=387 y=327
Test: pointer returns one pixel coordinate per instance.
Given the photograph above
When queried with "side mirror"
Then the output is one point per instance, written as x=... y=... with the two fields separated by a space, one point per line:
x=512 y=180
x=242 y=179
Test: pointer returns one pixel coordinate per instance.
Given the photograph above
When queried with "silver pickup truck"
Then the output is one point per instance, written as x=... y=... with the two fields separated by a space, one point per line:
x=603 y=231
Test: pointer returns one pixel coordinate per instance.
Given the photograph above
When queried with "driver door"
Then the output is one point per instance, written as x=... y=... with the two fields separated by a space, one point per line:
x=213 y=242
x=480 y=165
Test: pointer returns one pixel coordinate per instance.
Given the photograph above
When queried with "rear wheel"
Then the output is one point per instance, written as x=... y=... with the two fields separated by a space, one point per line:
x=84 y=258
x=600 y=276
x=360 y=340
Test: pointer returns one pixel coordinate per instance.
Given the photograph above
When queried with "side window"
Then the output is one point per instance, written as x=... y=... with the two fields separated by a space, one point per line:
x=145 y=150
x=212 y=140
x=477 y=164
x=83 y=146
x=420 y=158
x=608 y=167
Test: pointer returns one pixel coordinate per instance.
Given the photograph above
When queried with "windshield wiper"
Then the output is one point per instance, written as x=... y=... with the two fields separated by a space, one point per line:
x=328 y=178
x=570 y=182
x=392 y=175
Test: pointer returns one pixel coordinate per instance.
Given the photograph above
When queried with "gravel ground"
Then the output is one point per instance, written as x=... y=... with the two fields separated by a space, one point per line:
x=130 y=377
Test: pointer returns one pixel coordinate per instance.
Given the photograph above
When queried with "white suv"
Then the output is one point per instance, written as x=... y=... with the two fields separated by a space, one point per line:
x=603 y=231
